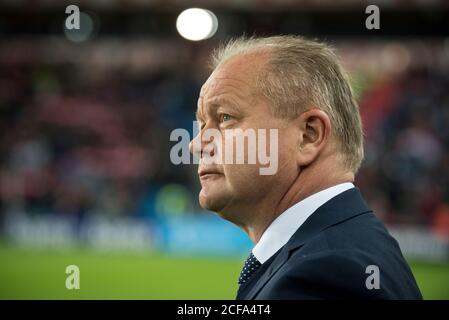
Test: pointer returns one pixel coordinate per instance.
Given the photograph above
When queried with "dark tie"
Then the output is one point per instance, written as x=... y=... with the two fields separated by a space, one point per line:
x=251 y=265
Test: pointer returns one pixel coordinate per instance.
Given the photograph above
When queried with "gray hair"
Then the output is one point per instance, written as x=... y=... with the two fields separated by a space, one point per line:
x=300 y=73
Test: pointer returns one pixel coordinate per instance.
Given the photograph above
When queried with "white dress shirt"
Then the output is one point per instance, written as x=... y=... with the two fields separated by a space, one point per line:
x=284 y=226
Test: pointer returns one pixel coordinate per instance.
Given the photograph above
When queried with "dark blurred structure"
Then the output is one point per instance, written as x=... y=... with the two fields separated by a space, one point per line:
x=84 y=127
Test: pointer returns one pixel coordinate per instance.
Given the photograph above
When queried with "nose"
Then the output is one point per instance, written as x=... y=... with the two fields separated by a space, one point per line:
x=195 y=147
x=200 y=148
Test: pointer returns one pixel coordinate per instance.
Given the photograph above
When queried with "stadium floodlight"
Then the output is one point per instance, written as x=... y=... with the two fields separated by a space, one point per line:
x=196 y=24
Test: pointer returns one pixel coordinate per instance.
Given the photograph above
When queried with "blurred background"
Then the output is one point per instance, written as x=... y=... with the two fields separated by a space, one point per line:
x=85 y=123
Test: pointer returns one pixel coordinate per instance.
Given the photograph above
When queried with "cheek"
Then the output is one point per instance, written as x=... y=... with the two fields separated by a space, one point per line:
x=287 y=159
x=244 y=182
x=240 y=177
x=245 y=179
x=241 y=147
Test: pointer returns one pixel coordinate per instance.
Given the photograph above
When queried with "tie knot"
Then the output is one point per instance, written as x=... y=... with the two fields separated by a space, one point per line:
x=251 y=265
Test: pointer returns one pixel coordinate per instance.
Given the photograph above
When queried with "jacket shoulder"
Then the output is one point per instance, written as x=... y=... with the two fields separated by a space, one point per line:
x=356 y=258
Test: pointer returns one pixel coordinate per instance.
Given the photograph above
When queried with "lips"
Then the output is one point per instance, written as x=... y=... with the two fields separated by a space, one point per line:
x=205 y=172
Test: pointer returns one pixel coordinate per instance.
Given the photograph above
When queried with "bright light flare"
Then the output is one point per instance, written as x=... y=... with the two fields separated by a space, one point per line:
x=196 y=24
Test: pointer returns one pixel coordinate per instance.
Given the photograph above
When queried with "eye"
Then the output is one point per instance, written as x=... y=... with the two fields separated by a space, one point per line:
x=225 y=117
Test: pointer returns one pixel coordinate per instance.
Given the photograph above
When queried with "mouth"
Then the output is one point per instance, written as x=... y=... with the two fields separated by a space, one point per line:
x=208 y=174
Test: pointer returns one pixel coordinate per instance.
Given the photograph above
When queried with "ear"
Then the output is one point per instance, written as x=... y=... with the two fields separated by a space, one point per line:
x=314 y=129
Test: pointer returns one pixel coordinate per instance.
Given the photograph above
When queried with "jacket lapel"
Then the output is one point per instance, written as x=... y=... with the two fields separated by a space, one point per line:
x=342 y=207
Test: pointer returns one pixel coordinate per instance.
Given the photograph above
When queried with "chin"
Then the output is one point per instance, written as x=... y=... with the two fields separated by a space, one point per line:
x=211 y=202
x=221 y=206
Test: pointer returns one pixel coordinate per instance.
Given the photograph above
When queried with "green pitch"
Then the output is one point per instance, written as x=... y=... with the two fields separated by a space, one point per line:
x=40 y=274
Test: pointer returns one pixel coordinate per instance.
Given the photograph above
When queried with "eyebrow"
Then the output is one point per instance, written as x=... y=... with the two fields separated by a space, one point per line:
x=215 y=103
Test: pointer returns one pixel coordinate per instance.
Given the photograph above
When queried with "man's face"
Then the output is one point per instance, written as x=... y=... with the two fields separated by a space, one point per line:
x=229 y=101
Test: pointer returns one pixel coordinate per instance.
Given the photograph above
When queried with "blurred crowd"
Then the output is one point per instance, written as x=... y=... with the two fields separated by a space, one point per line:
x=405 y=175
x=89 y=135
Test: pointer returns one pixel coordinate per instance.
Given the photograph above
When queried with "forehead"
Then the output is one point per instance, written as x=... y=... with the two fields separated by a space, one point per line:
x=236 y=77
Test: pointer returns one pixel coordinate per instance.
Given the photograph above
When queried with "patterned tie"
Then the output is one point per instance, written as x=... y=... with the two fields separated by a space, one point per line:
x=251 y=265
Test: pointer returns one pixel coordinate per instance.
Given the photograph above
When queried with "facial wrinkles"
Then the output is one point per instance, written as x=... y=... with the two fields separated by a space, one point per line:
x=236 y=91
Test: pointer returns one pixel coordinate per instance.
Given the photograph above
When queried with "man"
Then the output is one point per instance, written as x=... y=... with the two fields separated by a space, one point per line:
x=314 y=235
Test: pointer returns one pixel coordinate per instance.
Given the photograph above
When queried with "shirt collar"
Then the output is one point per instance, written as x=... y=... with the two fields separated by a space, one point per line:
x=285 y=225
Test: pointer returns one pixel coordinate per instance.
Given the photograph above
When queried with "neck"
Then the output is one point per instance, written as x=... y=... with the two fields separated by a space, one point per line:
x=309 y=181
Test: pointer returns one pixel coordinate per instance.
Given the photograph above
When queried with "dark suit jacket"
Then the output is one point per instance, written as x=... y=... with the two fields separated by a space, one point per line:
x=328 y=256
